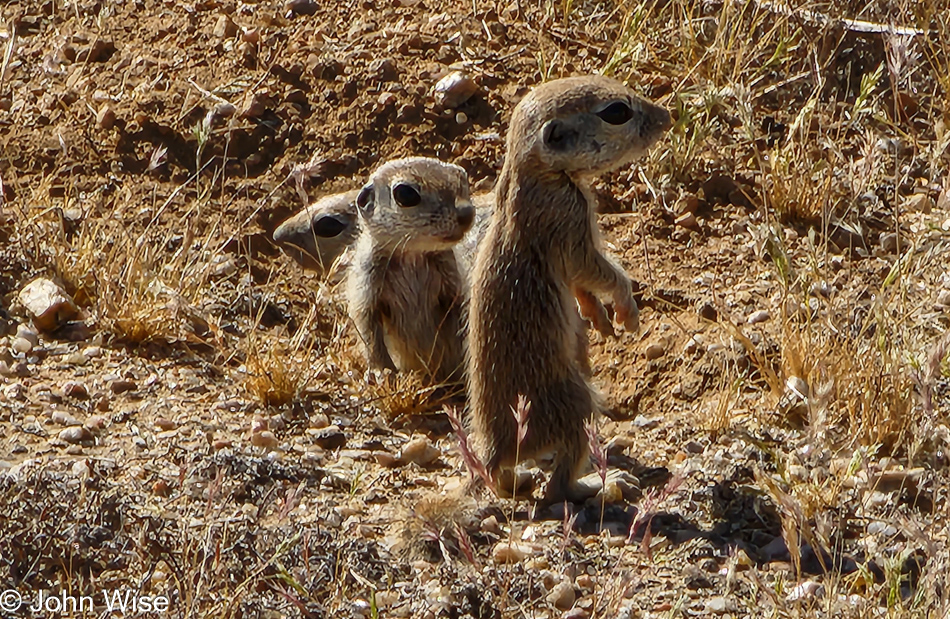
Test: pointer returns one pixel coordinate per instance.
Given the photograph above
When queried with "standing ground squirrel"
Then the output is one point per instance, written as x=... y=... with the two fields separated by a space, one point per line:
x=542 y=241
x=405 y=288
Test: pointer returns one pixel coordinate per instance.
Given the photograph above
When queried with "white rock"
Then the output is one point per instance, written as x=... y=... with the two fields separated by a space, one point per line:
x=503 y=552
x=758 y=316
x=21 y=345
x=75 y=434
x=720 y=605
x=64 y=419
x=28 y=333
x=642 y=421
x=454 y=89
x=420 y=451
x=807 y=589
x=47 y=303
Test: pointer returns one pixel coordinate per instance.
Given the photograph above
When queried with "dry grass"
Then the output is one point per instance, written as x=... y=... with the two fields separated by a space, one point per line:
x=812 y=123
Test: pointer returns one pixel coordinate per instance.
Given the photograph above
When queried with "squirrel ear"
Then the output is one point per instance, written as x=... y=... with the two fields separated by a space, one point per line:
x=365 y=201
x=329 y=225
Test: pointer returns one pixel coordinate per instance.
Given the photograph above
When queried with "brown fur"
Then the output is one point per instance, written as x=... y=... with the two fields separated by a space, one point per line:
x=541 y=242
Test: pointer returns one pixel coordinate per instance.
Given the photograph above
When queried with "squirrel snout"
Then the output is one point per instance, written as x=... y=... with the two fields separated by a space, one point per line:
x=662 y=118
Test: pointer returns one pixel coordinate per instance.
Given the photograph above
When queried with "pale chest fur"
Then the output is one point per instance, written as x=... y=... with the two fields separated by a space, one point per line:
x=420 y=304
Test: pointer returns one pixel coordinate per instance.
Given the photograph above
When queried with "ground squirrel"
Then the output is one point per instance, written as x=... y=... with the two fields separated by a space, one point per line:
x=316 y=236
x=324 y=232
x=542 y=241
x=406 y=290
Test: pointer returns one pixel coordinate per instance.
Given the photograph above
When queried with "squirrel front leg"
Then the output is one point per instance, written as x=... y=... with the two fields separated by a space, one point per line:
x=599 y=273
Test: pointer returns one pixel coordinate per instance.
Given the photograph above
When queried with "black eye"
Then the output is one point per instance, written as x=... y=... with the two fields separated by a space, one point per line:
x=406 y=195
x=617 y=113
x=329 y=226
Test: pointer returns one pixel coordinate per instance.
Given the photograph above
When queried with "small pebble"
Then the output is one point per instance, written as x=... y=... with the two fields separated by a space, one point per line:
x=64 y=419
x=75 y=358
x=105 y=116
x=122 y=385
x=919 y=203
x=386 y=459
x=81 y=469
x=386 y=99
x=562 y=595
x=165 y=424
x=503 y=552
x=76 y=390
x=21 y=345
x=654 y=350
x=47 y=303
x=490 y=525
x=758 y=316
x=688 y=221
x=265 y=439
x=301 y=7
x=28 y=333
x=330 y=437
x=454 y=89
x=642 y=421
x=419 y=451
x=807 y=589
x=694 y=447
x=160 y=488
x=720 y=605
x=21 y=369
x=96 y=422
x=16 y=392
x=75 y=435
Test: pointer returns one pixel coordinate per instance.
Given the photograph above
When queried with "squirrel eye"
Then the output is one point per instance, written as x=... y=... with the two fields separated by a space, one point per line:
x=406 y=195
x=617 y=113
x=329 y=226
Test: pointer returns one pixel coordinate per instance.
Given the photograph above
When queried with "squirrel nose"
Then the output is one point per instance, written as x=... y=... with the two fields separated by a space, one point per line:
x=466 y=215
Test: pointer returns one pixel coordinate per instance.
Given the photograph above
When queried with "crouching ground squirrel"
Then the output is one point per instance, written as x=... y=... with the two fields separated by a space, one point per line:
x=316 y=236
x=406 y=291
x=542 y=241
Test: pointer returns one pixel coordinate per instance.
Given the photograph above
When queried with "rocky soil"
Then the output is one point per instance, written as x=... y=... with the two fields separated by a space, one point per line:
x=184 y=411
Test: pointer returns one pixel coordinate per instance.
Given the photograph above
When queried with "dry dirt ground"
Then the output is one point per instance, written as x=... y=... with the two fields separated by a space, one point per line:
x=202 y=429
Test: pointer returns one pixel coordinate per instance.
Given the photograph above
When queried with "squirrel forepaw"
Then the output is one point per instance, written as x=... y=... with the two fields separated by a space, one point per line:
x=628 y=314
